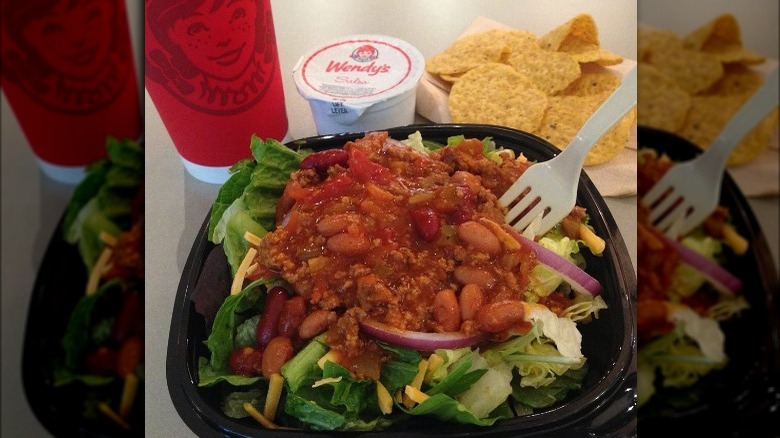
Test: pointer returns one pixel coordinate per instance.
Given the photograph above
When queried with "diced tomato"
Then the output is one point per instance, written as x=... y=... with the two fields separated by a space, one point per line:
x=425 y=222
x=364 y=170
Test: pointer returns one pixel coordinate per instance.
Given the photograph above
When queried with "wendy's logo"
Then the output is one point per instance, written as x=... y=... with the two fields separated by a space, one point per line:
x=365 y=53
x=216 y=56
x=72 y=56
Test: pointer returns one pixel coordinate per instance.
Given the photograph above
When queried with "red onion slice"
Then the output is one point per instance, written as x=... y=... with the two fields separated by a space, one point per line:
x=719 y=278
x=419 y=341
x=578 y=279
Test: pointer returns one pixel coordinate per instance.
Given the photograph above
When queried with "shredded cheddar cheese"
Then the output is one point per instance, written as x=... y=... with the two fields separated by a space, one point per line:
x=734 y=240
x=98 y=270
x=325 y=381
x=252 y=238
x=415 y=395
x=272 y=397
x=384 y=400
x=238 y=280
x=434 y=363
x=108 y=412
x=595 y=243
x=416 y=383
x=107 y=238
x=129 y=392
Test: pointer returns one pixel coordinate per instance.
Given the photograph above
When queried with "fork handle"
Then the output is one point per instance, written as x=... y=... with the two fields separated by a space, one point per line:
x=617 y=105
x=744 y=120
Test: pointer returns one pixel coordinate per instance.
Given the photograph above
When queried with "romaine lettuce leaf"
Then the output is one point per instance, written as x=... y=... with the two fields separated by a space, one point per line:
x=234 y=310
x=102 y=201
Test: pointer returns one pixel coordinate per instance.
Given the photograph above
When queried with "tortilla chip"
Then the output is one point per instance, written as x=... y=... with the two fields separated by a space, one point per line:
x=550 y=71
x=650 y=42
x=593 y=82
x=737 y=79
x=755 y=142
x=710 y=114
x=722 y=38
x=693 y=71
x=519 y=40
x=661 y=103
x=613 y=142
x=578 y=32
x=579 y=37
x=467 y=53
x=564 y=117
x=497 y=94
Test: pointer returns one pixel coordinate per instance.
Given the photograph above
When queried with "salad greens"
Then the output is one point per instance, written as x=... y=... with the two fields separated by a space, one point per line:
x=467 y=385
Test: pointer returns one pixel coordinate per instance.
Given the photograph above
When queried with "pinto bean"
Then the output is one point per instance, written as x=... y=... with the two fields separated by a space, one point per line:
x=446 y=310
x=348 y=244
x=293 y=312
x=335 y=223
x=479 y=236
x=278 y=351
x=321 y=161
x=474 y=275
x=315 y=323
x=499 y=316
x=471 y=299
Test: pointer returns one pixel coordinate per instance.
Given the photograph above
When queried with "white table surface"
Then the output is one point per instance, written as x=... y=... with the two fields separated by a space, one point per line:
x=176 y=204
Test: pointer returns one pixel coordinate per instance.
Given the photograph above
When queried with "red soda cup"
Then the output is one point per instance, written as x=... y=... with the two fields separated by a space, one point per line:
x=212 y=72
x=69 y=77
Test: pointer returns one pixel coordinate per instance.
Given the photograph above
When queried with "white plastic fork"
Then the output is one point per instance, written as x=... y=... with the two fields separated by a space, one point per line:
x=689 y=191
x=554 y=182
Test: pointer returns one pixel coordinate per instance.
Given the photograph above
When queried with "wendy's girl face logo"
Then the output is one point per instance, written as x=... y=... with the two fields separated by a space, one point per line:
x=365 y=53
x=71 y=56
x=216 y=56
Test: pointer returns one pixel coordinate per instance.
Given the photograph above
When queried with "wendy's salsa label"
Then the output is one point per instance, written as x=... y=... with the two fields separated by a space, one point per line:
x=359 y=67
x=215 y=56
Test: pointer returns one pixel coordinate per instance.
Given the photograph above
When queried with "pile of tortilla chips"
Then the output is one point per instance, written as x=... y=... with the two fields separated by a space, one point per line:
x=547 y=85
x=692 y=85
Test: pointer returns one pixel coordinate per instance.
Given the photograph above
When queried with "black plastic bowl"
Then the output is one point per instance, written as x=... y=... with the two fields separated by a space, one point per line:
x=742 y=399
x=604 y=406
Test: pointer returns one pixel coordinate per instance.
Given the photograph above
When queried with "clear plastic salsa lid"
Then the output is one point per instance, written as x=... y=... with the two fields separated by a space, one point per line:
x=354 y=74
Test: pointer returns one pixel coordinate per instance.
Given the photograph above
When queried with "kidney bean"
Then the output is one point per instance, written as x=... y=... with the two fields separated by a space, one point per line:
x=246 y=361
x=268 y=325
x=322 y=160
x=479 y=237
x=499 y=316
x=471 y=299
x=315 y=323
x=425 y=222
x=474 y=275
x=278 y=351
x=132 y=310
x=348 y=244
x=130 y=355
x=293 y=313
x=446 y=310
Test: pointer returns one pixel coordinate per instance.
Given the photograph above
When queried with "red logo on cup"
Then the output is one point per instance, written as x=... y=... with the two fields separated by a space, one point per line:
x=215 y=56
x=58 y=52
